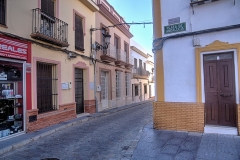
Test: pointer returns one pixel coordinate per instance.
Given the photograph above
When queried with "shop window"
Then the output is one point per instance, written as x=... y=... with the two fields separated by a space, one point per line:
x=79 y=35
x=145 y=89
x=118 y=84
x=136 y=90
x=11 y=98
x=3 y=12
x=47 y=81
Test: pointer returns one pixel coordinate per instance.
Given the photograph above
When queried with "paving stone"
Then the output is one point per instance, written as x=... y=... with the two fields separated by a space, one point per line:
x=170 y=149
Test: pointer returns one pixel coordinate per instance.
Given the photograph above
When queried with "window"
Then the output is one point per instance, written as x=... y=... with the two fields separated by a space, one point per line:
x=145 y=89
x=3 y=12
x=46 y=87
x=118 y=84
x=79 y=36
x=128 y=84
x=135 y=63
x=47 y=6
x=126 y=50
x=136 y=90
x=47 y=18
x=116 y=42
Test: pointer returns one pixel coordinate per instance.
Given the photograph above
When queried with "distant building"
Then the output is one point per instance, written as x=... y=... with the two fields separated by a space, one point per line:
x=143 y=77
x=197 y=51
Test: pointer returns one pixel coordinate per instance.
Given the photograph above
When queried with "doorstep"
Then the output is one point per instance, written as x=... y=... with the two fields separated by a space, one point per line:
x=221 y=130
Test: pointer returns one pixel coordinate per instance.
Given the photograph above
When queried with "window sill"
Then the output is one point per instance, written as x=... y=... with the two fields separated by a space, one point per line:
x=79 y=50
x=3 y=26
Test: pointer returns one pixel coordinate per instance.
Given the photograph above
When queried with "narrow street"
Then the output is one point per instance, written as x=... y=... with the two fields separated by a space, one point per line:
x=102 y=138
x=124 y=135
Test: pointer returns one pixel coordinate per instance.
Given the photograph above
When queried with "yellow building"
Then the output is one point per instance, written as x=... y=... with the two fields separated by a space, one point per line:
x=45 y=66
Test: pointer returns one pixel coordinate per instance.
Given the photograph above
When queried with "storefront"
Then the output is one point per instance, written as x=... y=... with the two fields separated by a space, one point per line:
x=15 y=86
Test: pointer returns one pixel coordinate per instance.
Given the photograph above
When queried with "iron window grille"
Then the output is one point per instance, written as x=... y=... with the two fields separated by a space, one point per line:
x=145 y=89
x=118 y=84
x=47 y=93
x=128 y=84
x=79 y=36
x=3 y=12
x=136 y=90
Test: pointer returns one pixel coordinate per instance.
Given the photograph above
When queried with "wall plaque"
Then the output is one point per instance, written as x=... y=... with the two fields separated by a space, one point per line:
x=175 y=28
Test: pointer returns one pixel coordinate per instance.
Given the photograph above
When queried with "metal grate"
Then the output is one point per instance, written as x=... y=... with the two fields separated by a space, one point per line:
x=3 y=12
x=128 y=83
x=46 y=87
x=118 y=84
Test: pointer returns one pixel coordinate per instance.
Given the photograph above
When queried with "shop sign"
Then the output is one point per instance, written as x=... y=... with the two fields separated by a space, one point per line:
x=13 y=49
x=175 y=28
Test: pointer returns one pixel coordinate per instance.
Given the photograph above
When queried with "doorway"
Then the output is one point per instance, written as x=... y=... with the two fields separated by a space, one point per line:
x=79 y=91
x=219 y=84
x=104 y=89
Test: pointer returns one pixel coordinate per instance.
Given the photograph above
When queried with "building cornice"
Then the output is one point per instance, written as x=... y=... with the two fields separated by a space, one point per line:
x=109 y=13
x=139 y=51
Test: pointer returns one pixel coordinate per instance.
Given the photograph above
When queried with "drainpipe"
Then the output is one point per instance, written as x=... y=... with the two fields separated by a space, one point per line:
x=94 y=72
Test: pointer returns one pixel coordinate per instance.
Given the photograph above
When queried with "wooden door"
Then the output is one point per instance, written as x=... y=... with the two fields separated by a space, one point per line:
x=219 y=84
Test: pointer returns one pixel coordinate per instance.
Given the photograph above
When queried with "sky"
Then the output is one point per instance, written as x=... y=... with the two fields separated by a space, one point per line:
x=137 y=11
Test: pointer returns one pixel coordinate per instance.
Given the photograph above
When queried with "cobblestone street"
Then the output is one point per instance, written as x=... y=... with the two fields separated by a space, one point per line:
x=127 y=134
x=110 y=137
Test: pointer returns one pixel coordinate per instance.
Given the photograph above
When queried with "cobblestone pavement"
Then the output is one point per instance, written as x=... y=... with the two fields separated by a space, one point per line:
x=128 y=134
x=114 y=136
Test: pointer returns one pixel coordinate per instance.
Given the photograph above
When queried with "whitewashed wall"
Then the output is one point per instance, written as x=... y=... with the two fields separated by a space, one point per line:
x=211 y=15
x=179 y=64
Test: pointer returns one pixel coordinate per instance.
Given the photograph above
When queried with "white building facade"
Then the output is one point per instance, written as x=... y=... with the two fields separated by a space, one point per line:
x=143 y=78
x=200 y=53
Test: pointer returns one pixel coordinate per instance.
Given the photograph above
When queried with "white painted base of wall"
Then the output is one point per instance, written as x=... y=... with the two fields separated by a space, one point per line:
x=82 y=114
x=221 y=130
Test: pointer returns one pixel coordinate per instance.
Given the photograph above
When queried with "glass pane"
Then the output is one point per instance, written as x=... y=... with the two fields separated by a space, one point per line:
x=212 y=57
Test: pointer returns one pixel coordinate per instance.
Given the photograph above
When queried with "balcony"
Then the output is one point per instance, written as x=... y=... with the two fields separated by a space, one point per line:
x=109 y=54
x=129 y=61
x=140 y=73
x=199 y=2
x=91 y=4
x=49 y=29
x=121 y=57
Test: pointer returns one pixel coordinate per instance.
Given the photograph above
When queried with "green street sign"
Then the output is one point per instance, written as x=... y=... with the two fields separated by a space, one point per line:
x=175 y=28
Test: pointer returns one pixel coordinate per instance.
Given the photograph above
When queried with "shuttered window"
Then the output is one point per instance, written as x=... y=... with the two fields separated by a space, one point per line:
x=3 y=12
x=47 y=6
x=79 y=37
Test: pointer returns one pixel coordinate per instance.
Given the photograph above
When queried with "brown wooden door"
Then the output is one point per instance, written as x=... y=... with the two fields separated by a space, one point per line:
x=220 y=91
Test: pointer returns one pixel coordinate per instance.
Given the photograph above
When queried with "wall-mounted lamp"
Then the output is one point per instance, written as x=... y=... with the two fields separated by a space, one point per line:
x=98 y=46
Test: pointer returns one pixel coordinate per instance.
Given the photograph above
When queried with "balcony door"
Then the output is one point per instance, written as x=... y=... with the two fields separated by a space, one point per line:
x=104 y=89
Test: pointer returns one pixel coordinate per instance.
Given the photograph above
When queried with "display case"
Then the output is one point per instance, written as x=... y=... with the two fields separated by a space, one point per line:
x=11 y=99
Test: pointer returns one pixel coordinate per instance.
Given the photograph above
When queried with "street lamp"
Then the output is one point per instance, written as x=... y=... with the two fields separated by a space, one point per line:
x=105 y=45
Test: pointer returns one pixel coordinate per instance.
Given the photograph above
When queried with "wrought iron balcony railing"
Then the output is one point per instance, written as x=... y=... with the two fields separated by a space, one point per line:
x=140 y=71
x=129 y=61
x=121 y=57
x=50 y=29
x=109 y=54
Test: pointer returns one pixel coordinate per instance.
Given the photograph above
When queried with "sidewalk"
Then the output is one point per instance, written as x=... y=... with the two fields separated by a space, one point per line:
x=21 y=140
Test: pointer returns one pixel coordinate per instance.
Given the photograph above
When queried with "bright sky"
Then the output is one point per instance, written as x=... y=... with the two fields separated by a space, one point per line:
x=137 y=11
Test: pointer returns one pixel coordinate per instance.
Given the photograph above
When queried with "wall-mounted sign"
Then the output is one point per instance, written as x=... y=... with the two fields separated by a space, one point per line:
x=175 y=28
x=174 y=21
x=13 y=49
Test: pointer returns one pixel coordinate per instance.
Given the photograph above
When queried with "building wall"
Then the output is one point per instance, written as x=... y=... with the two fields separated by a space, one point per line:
x=182 y=70
x=19 y=22
x=113 y=101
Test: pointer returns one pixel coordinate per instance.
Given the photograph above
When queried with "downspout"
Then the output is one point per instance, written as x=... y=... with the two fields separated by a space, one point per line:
x=94 y=71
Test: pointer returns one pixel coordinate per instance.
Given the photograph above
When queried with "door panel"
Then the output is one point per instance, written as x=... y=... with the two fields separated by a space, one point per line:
x=211 y=92
x=227 y=111
x=219 y=82
x=79 y=91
